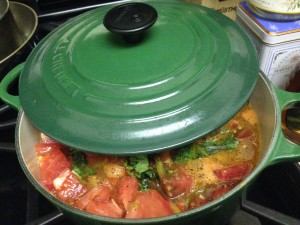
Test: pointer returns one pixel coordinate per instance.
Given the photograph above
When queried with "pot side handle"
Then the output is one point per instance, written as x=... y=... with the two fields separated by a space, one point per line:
x=284 y=149
x=7 y=82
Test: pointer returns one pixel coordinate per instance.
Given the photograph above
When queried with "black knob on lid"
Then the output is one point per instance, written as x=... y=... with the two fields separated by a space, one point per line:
x=130 y=20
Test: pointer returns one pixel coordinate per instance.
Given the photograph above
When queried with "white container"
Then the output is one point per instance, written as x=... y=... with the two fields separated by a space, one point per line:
x=277 y=43
x=282 y=10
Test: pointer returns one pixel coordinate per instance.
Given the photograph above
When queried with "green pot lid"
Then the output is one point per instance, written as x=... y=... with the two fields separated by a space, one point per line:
x=86 y=87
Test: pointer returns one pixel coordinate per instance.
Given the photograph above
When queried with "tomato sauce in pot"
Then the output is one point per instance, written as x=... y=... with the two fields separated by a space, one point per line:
x=147 y=186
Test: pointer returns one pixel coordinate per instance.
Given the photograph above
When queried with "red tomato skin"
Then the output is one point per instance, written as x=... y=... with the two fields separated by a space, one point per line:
x=44 y=148
x=52 y=162
x=232 y=173
x=68 y=187
x=127 y=189
x=149 y=204
x=100 y=193
x=244 y=133
x=105 y=208
x=176 y=184
x=98 y=201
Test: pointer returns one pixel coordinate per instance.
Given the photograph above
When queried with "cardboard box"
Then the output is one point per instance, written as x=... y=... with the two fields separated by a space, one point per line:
x=227 y=7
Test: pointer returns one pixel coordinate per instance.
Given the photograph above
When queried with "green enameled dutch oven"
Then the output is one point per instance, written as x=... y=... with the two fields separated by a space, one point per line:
x=170 y=73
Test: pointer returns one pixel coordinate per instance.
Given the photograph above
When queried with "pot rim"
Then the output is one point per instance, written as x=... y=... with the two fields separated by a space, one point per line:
x=264 y=162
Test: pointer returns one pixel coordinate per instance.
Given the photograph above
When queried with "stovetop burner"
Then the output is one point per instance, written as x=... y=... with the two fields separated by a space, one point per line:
x=272 y=199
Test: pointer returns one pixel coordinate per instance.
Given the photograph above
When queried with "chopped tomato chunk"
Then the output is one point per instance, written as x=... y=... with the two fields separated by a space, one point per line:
x=176 y=184
x=105 y=208
x=243 y=134
x=149 y=204
x=127 y=189
x=44 y=148
x=236 y=172
x=52 y=162
x=68 y=187
x=99 y=193
x=98 y=201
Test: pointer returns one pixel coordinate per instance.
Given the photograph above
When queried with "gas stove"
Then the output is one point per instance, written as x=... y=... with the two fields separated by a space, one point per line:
x=272 y=199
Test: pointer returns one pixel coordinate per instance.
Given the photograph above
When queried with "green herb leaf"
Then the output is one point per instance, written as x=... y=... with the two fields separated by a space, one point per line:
x=138 y=166
x=231 y=143
x=187 y=153
x=83 y=171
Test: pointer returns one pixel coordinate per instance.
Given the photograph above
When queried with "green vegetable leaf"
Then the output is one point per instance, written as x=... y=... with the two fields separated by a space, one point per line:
x=138 y=166
x=140 y=163
x=145 y=178
x=150 y=173
x=186 y=153
x=205 y=149
x=212 y=147
x=231 y=143
x=82 y=171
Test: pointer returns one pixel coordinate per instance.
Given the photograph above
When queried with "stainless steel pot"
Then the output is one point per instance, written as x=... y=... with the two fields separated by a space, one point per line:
x=18 y=23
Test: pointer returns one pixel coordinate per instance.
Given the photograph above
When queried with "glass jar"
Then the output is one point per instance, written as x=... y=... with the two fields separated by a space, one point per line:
x=280 y=10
